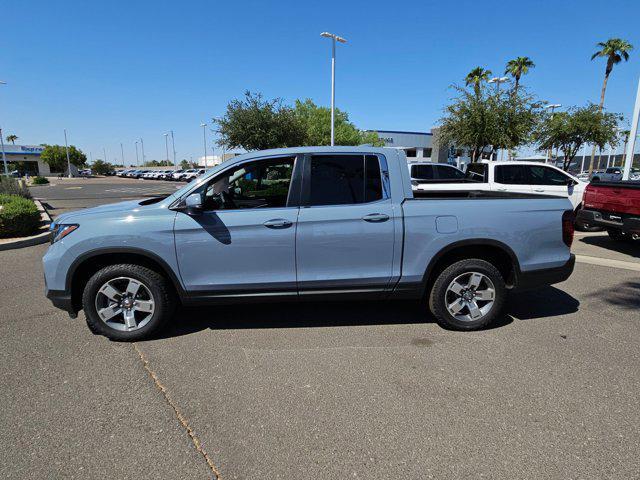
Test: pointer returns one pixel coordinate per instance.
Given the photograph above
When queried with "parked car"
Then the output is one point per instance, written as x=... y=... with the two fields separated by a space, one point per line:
x=614 y=174
x=138 y=173
x=430 y=172
x=614 y=206
x=190 y=176
x=350 y=226
x=122 y=173
x=163 y=174
x=179 y=175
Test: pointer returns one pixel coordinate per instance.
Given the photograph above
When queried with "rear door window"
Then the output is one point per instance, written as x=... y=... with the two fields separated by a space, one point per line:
x=344 y=179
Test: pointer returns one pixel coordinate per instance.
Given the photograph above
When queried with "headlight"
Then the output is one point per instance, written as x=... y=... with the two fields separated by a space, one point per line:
x=59 y=231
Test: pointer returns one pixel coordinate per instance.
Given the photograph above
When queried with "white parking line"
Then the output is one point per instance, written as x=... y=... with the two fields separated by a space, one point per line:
x=608 y=262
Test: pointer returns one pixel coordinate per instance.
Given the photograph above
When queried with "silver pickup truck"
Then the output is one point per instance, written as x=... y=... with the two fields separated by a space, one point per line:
x=305 y=223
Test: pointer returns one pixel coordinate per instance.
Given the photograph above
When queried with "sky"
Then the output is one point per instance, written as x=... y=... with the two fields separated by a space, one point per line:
x=112 y=72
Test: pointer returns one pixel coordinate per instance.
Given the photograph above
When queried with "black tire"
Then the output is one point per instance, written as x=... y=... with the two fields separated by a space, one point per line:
x=438 y=294
x=617 y=235
x=157 y=285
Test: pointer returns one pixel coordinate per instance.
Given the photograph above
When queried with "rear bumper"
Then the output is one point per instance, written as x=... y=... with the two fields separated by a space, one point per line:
x=628 y=224
x=546 y=276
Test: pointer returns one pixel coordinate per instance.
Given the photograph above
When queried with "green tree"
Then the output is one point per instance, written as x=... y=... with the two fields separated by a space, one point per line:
x=56 y=157
x=12 y=138
x=568 y=131
x=517 y=67
x=476 y=78
x=484 y=121
x=101 y=167
x=317 y=125
x=254 y=123
x=184 y=165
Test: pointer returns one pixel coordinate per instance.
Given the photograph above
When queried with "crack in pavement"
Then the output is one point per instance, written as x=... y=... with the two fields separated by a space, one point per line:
x=181 y=418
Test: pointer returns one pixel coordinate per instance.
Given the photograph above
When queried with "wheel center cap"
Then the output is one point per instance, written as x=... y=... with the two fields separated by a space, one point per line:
x=127 y=303
x=468 y=295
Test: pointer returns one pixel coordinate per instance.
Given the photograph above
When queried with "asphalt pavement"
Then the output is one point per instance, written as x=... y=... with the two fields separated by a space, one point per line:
x=332 y=390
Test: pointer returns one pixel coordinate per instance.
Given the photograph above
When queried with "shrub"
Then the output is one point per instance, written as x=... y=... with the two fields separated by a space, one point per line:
x=19 y=217
x=40 y=180
x=11 y=186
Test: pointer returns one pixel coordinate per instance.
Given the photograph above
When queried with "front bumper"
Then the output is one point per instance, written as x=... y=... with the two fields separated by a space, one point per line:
x=62 y=300
x=546 y=276
x=627 y=224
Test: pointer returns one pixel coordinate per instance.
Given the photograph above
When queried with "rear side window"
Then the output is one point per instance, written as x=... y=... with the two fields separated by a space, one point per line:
x=477 y=172
x=344 y=179
x=546 y=176
x=422 y=172
x=448 y=173
x=511 y=175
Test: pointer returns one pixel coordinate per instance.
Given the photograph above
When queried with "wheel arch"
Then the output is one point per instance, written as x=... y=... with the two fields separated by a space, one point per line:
x=89 y=263
x=495 y=252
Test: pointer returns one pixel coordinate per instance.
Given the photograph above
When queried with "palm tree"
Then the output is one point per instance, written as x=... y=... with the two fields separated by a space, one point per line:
x=475 y=77
x=614 y=50
x=517 y=67
x=12 y=138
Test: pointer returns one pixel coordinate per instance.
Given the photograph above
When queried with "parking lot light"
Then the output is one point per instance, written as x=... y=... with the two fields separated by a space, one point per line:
x=137 y=158
x=66 y=146
x=166 y=144
x=334 y=38
x=204 y=139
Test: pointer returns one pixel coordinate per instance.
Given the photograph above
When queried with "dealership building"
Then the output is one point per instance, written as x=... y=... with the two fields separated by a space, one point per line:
x=423 y=146
x=26 y=159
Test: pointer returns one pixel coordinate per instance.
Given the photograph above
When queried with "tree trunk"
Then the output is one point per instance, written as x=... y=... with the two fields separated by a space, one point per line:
x=607 y=72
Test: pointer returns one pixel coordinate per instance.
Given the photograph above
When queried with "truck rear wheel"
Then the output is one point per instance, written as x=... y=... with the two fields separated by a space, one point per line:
x=127 y=302
x=467 y=295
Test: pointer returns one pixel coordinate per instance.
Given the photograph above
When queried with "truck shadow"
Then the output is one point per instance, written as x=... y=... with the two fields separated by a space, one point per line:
x=631 y=248
x=542 y=303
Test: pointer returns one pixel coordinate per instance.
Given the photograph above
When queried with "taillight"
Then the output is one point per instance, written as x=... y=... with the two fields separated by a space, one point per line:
x=568 y=218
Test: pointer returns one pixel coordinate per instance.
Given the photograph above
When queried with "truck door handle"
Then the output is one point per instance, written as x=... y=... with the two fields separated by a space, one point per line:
x=538 y=189
x=376 y=217
x=501 y=189
x=278 y=223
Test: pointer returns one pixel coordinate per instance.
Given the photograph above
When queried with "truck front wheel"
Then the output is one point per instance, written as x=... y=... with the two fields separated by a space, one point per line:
x=127 y=302
x=467 y=295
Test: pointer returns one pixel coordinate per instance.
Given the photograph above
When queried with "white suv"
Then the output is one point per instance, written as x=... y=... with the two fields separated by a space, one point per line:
x=523 y=177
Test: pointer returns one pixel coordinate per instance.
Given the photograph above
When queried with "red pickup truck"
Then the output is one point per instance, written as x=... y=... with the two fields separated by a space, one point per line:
x=614 y=206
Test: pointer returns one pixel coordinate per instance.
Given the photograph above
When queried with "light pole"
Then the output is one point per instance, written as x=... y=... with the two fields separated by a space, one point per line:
x=173 y=145
x=144 y=160
x=166 y=144
x=204 y=139
x=553 y=107
x=498 y=81
x=333 y=38
x=122 y=154
x=628 y=160
x=4 y=157
x=104 y=152
x=66 y=146
x=137 y=158
x=584 y=154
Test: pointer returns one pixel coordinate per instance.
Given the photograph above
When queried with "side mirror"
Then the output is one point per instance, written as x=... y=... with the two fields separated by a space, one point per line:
x=193 y=204
x=571 y=182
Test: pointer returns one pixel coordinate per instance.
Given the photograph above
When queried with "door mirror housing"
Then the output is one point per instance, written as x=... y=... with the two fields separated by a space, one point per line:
x=193 y=204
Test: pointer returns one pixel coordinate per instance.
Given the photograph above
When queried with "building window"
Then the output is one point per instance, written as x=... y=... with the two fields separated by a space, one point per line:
x=411 y=152
x=426 y=152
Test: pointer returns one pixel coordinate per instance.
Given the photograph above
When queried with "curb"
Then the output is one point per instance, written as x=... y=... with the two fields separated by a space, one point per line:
x=38 y=239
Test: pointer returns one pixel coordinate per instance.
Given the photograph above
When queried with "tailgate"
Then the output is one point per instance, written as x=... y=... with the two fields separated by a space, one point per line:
x=621 y=198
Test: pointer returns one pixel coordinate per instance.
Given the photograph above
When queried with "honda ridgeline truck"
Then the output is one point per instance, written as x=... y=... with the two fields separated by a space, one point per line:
x=305 y=223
